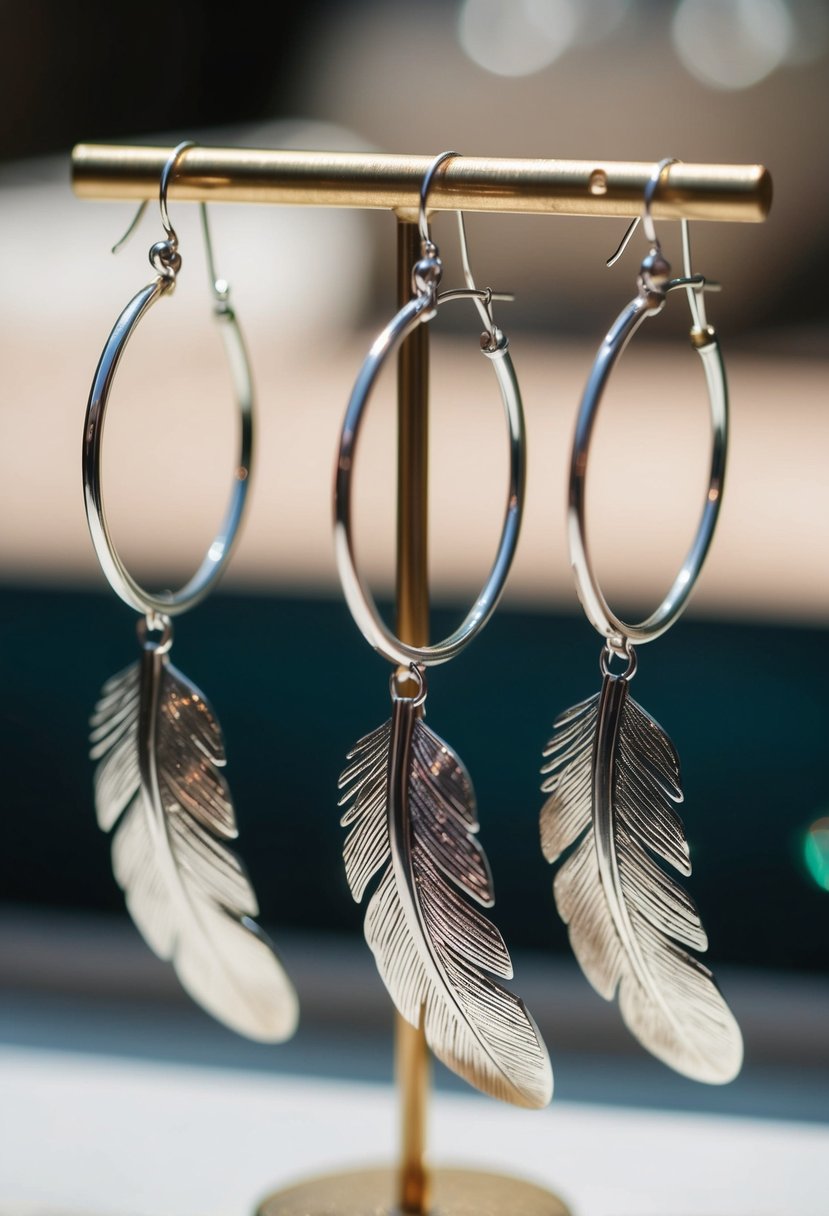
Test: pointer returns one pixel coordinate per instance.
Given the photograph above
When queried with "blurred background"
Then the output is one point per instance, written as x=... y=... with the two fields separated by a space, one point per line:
x=739 y=683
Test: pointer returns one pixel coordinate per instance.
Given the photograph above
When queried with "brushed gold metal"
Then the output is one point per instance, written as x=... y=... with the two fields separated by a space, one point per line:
x=738 y=193
x=371 y=1193
x=411 y=1066
x=412 y=581
x=411 y=1054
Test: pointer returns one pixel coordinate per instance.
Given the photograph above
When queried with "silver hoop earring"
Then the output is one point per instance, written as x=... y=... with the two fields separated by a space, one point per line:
x=409 y=803
x=612 y=774
x=156 y=739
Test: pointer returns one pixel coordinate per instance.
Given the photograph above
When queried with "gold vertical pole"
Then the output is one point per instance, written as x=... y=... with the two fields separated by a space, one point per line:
x=412 y=457
x=411 y=1052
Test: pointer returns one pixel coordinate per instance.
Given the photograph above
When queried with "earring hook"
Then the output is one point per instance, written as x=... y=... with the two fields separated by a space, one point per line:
x=695 y=285
x=492 y=339
x=164 y=255
x=167 y=175
x=170 y=166
x=425 y=187
x=646 y=217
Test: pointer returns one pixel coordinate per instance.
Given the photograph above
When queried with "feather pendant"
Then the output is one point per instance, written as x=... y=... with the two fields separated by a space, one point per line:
x=410 y=811
x=160 y=753
x=613 y=782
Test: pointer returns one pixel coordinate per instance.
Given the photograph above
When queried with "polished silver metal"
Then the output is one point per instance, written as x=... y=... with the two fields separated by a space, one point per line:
x=481 y=299
x=493 y=338
x=166 y=259
x=422 y=308
x=411 y=815
x=612 y=776
x=357 y=594
x=425 y=187
x=646 y=217
x=654 y=285
x=611 y=773
x=168 y=173
x=160 y=754
x=625 y=652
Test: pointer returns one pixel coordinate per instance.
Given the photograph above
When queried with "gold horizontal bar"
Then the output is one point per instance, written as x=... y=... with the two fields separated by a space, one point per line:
x=740 y=193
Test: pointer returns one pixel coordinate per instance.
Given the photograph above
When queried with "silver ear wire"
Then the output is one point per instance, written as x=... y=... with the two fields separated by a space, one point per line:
x=427 y=244
x=219 y=287
x=481 y=299
x=653 y=184
x=623 y=244
x=696 y=286
x=134 y=222
x=646 y=218
x=164 y=255
x=427 y=272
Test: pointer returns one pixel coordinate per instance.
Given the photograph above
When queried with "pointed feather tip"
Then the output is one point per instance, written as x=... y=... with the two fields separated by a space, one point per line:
x=533 y=1096
x=542 y=1095
x=719 y=1059
x=706 y=1069
x=264 y=1008
x=272 y=1025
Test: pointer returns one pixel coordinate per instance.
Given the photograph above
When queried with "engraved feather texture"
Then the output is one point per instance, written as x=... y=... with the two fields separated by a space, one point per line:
x=160 y=753
x=410 y=811
x=613 y=780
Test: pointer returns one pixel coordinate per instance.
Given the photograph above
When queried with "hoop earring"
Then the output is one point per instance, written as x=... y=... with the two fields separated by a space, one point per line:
x=409 y=803
x=156 y=739
x=612 y=775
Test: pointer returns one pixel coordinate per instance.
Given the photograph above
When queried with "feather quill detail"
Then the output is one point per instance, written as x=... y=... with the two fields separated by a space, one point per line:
x=410 y=810
x=160 y=754
x=613 y=781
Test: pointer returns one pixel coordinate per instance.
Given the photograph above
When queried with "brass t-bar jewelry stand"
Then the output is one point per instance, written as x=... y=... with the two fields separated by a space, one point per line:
x=737 y=193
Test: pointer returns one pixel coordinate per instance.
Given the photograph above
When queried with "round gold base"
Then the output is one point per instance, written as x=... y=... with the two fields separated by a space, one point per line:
x=372 y=1193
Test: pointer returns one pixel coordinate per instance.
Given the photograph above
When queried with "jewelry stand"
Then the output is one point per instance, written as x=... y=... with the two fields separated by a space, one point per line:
x=739 y=193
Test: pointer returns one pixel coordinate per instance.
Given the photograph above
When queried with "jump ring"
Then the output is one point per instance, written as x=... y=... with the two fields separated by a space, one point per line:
x=418 y=675
x=609 y=652
x=595 y=605
x=168 y=603
x=358 y=596
x=156 y=623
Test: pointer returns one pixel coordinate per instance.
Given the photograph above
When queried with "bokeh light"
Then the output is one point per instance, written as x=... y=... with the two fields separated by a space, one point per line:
x=732 y=44
x=598 y=19
x=516 y=39
x=811 y=31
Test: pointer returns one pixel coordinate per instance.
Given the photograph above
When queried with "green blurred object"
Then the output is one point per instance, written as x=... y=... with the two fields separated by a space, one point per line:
x=816 y=852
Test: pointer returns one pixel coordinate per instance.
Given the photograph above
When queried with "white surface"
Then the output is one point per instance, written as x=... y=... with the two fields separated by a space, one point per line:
x=82 y=1134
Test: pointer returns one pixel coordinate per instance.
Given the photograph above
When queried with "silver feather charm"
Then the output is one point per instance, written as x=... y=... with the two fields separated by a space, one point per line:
x=160 y=754
x=411 y=812
x=613 y=782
